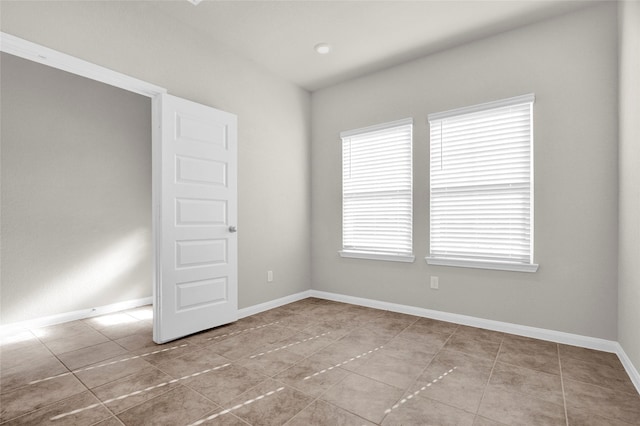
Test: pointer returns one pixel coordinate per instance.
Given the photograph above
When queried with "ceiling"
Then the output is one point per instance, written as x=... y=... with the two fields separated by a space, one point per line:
x=365 y=36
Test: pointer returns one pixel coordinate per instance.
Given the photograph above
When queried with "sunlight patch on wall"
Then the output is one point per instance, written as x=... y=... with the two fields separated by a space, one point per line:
x=88 y=278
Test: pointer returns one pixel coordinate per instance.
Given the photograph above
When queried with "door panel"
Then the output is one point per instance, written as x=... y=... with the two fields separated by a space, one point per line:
x=196 y=268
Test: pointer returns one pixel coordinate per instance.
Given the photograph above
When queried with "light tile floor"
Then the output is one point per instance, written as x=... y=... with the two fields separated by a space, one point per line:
x=312 y=362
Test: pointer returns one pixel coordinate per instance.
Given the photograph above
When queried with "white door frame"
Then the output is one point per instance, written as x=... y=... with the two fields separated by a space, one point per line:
x=52 y=58
x=37 y=53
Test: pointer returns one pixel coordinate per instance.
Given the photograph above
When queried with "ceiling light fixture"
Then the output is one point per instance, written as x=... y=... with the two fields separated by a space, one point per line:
x=194 y=2
x=322 y=48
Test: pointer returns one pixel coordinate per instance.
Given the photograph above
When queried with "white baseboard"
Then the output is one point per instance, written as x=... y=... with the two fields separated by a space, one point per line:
x=505 y=327
x=629 y=367
x=256 y=309
x=74 y=315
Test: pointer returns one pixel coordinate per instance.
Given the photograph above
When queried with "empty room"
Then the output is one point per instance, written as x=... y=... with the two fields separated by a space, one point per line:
x=320 y=212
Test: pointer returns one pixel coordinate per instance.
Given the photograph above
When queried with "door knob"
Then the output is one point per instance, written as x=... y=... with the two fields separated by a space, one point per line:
x=233 y=229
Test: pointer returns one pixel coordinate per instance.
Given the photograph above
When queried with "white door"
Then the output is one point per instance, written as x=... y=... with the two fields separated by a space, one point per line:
x=195 y=198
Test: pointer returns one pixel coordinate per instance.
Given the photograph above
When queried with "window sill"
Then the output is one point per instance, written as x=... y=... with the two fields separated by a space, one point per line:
x=377 y=256
x=500 y=266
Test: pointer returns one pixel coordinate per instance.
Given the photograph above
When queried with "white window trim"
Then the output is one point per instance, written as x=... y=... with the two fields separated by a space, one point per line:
x=477 y=264
x=480 y=264
x=377 y=256
x=528 y=98
x=368 y=255
x=376 y=127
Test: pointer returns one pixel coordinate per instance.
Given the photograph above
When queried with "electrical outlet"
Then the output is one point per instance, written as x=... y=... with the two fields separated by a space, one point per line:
x=269 y=276
x=434 y=283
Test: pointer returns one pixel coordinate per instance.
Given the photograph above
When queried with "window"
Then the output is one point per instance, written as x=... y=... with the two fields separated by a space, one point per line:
x=377 y=217
x=482 y=186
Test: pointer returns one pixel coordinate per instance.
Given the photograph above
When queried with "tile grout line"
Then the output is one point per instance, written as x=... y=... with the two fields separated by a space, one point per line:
x=598 y=385
x=237 y=406
x=101 y=403
x=129 y=335
x=138 y=392
x=186 y=385
x=340 y=364
x=106 y=327
x=564 y=398
x=45 y=406
x=416 y=393
x=113 y=416
x=90 y=390
x=484 y=391
x=314 y=399
x=241 y=331
x=113 y=413
x=54 y=356
x=231 y=363
x=426 y=366
x=317 y=398
x=80 y=370
x=342 y=379
x=288 y=346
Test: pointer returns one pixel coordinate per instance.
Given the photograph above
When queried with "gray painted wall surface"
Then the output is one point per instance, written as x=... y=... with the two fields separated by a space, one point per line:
x=570 y=63
x=274 y=118
x=629 y=251
x=76 y=192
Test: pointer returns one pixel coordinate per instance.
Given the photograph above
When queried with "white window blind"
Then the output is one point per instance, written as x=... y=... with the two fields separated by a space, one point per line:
x=377 y=192
x=482 y=186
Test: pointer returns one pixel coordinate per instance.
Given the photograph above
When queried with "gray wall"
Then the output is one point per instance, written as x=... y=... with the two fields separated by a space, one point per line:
x=629 y=251
x=75 y=233
x=570 y=63
x=274 y=124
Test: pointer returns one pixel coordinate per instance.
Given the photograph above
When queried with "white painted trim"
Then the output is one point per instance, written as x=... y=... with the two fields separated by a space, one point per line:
x=629 y=367
x=256 y=309
x=376 y=256
x=377 y=127
x=43 y=55
x=480 y=264
x=505 y=327
x=516 y=100
x=74 y=315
